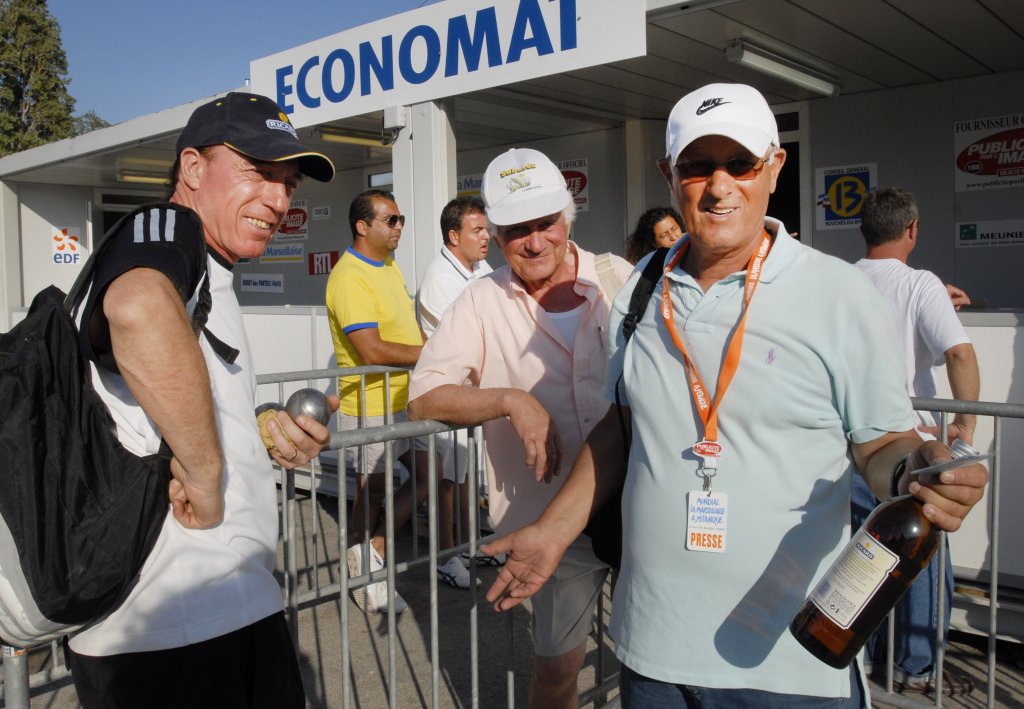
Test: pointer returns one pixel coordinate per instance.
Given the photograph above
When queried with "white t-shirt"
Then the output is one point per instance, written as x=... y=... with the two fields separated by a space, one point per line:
x=927 y=322
x=201 y=584
x=443 y=281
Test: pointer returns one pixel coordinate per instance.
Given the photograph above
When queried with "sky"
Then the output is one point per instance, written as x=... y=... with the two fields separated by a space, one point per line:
x=129 y=58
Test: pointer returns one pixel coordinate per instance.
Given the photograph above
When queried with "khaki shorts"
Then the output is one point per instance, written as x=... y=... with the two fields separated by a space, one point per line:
x=453 y=450
x=369 y=458
x=563 y=609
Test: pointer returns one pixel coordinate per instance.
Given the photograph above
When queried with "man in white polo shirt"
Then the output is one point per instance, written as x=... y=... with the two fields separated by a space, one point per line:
x=462 y=259
x=762 y=374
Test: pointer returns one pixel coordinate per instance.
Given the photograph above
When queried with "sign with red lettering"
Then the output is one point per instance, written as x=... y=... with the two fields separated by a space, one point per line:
x=989 y=152
x=577 y=179
x=294 y=225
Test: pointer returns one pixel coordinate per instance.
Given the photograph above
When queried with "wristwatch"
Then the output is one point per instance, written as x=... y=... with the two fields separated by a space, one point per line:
x=897 y=474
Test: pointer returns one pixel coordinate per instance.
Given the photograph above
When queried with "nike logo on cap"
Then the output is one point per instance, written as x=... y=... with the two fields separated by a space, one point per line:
x=709 y=104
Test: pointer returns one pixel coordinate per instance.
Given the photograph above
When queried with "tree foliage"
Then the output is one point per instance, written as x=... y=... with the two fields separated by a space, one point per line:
x=86 y=122
x=35 y=107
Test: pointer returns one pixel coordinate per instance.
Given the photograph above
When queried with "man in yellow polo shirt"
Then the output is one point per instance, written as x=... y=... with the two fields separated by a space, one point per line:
x=373 y=322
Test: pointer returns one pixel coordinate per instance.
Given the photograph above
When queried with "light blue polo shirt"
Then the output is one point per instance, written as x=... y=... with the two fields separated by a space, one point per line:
x=820 y=367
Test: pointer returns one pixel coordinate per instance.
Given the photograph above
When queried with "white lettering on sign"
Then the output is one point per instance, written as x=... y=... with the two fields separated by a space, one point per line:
x=446 y=49
x=262 y=282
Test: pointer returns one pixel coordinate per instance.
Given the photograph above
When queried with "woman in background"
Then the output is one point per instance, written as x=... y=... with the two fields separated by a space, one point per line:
x=657 y=227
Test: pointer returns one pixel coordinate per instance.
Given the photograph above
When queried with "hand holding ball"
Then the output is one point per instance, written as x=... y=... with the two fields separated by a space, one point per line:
x=304 y=402
x=309 y=402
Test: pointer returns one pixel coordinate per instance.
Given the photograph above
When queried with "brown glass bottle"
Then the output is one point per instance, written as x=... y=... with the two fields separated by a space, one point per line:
x=866 y=581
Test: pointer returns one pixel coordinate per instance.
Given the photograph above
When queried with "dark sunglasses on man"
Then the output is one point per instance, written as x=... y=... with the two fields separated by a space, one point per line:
x=744 y=168
x=392 y=219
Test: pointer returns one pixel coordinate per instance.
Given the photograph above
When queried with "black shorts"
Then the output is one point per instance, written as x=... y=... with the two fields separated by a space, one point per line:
x=251 y=668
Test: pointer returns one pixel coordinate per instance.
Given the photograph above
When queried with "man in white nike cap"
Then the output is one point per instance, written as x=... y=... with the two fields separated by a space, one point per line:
x=521 y=351
x=761 y=378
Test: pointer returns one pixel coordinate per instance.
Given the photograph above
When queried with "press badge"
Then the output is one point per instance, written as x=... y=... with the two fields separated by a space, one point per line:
x=706 y=521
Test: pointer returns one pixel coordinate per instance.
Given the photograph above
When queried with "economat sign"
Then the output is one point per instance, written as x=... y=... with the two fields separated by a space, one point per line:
x=445 y=49
x=989 y=152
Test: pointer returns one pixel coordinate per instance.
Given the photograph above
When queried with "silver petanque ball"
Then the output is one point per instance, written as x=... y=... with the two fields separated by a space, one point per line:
x=309 y=402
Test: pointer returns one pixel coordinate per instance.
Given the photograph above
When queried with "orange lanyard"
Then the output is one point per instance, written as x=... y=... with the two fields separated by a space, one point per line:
x=709 y=448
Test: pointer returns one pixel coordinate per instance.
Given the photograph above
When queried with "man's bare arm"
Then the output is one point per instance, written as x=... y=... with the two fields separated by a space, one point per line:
x=373 y=350
x=947 y=498
x=162 y=364
x=535 y=550
x=471 y=405
x=965 y=384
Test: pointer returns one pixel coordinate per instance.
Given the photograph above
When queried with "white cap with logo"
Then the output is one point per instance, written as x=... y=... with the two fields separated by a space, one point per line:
x=735 y=111
x=521 y=185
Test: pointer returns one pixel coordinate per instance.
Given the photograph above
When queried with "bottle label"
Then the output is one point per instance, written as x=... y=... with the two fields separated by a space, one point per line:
x=853 y=579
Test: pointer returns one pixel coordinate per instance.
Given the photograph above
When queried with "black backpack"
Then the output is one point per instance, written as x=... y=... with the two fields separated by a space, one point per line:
x=79 y=514
x=605 y=525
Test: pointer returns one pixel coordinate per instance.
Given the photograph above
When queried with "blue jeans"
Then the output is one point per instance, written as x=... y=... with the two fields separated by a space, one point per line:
x=916 y=613
x=639 y=692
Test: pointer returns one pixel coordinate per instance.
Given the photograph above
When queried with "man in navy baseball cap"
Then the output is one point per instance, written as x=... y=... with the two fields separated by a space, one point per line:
x=206 y=617
x=254 y=126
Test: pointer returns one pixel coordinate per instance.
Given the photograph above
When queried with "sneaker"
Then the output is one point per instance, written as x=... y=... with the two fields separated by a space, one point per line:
x=373 y=597
x=483 y=559
x=454 y=573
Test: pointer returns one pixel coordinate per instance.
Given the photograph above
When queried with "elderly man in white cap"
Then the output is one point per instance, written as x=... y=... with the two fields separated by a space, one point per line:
x=762 y=377
x=521 y=351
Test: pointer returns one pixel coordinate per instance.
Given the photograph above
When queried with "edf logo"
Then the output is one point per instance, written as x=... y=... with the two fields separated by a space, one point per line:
x=66 y=246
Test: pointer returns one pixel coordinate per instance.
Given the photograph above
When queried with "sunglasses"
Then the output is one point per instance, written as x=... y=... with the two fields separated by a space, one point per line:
x=392 y=220
x=738 y=168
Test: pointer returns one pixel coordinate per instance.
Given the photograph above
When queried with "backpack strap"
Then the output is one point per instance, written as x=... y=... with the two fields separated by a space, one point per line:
x=642 y=292
x=605 y=267
x=641 y=296
x=204 y=301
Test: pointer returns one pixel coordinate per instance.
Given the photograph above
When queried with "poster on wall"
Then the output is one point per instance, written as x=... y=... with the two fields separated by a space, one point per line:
x=283 y=253
x=321 y=262
x=989 y=152
x=1007 y=232
x=262 y=282
x=575 y=172
x=66 y=245
x=577 y=180
x=841 y=192
x=293 y=227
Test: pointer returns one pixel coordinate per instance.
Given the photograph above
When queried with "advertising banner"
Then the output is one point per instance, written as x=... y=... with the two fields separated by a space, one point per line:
x=841 y=192
x=446 y=49
x=989 y=152
x=1008 y=232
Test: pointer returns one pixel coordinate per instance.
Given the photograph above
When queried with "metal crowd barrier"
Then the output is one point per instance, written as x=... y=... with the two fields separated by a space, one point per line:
x=18 y=680
x=998 y=412
x=333 y=592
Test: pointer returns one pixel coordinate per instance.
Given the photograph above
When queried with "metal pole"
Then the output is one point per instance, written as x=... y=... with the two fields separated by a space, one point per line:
x=15 y=677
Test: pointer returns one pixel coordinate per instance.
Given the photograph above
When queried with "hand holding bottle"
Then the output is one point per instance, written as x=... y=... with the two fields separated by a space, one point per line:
x=947 y=494
x=885 y=556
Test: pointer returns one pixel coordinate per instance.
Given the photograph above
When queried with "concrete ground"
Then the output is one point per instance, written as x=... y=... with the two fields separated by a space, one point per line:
x=503 y=644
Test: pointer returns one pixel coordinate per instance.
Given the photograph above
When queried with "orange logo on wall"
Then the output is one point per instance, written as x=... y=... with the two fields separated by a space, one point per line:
x=66 y=241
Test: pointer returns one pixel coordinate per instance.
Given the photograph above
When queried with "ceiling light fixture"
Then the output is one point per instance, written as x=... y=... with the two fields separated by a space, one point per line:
x=745 y=54
x=365 y=139
x=143 y=178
